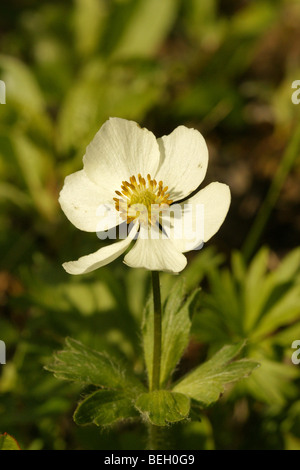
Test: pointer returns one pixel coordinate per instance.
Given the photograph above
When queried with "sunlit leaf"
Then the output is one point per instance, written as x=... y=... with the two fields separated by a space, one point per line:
x=254 y=293
x=89 y=16
x=21 y=85
x=140 y=35
x=34 y=165
x=99 y=92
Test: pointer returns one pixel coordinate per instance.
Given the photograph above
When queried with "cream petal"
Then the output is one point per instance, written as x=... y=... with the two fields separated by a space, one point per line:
x=87 y=205
x=119 y=150
x=198 y=218
x=102 y=257
x=184 y=159
x=155 y=255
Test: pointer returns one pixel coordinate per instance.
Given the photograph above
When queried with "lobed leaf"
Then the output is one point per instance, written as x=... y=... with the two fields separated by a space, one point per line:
x=207 y=382
x=79 y=363
x=105 y=407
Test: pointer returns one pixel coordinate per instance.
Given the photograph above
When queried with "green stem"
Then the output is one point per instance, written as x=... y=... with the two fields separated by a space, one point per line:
x=159 y=438
x=288 y=160
x=156 y=332
x=157 y=435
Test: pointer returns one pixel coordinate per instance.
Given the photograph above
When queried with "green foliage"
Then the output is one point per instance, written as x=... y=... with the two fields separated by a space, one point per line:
x=81 y=364
x=105 y=407
x=121 y=393
x=206 y=382
x=138 y=35
x=28 y=97
x=225 y=68
x=262 y=307
x=176 y=326
x=119 y=388
x=162 y=407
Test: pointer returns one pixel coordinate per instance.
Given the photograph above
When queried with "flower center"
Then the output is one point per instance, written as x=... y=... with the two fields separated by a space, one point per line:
x=142 y=199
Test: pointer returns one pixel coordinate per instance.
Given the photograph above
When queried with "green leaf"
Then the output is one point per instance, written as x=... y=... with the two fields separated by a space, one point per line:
x=284 y=311
x=7 y=442
x=99 y=92
x=207 y=382
x=176 y=326
x=35 y=167
x=253 y=20
x=92 y=13
x=272 y=382
x=286 y=336
x=251 y=302
x=288 y=268
x=141 y=36
x=105 y=407
x=83 y=297
x=21 y=85
x=13 y=194
x=161 y=407
x=225 y=300
x=204 y=262
x=254 y=295
x=79 y=363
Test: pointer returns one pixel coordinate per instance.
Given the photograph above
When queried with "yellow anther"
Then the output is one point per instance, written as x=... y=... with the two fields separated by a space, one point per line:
x=141 y=199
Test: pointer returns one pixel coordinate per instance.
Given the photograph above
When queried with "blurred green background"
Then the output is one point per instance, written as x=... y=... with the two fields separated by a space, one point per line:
x=223 y=67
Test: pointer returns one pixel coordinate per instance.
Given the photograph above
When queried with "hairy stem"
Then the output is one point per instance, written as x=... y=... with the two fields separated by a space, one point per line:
x=156 y=434
x=159 y=438
x=156 y=332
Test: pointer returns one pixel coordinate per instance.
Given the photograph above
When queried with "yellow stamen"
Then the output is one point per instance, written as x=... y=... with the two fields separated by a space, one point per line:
x=138 y=198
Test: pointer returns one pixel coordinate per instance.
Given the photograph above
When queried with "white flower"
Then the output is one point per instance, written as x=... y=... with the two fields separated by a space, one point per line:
x=127 y=169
